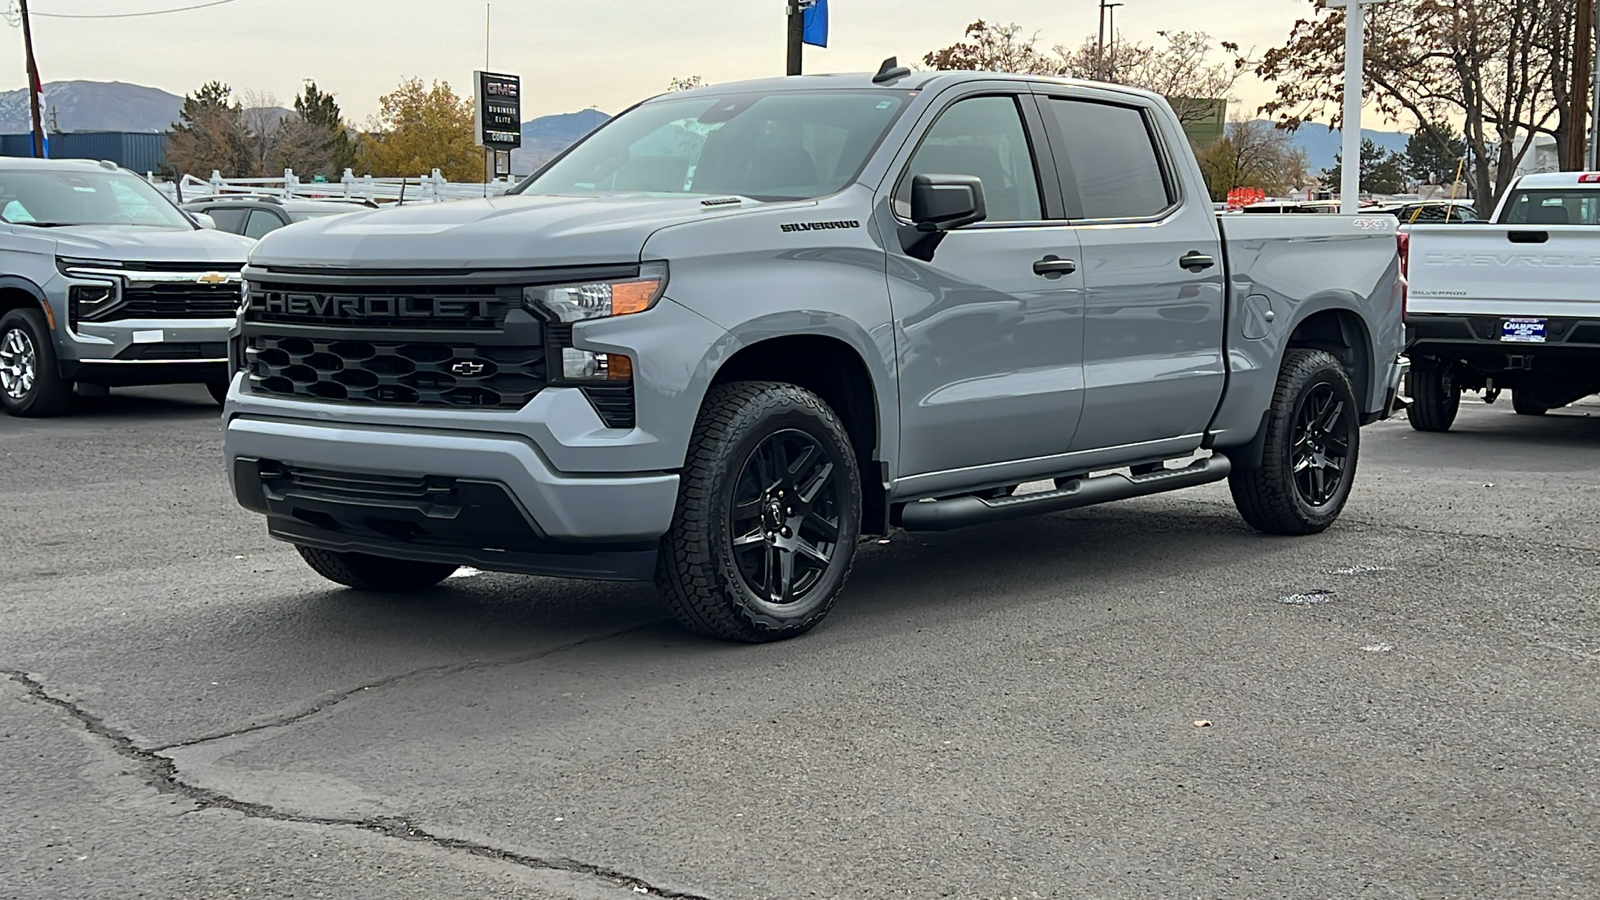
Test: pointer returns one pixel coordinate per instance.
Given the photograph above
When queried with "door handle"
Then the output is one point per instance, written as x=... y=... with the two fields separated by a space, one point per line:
x=1054 y=267
x=1196 y=261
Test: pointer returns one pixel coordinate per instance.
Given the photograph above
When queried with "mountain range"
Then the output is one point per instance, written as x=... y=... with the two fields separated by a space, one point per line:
x=115 y=106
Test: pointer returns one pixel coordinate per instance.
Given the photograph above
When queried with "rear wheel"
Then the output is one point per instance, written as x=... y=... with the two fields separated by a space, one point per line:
x=375 y=573
x=30 y=382
x=1308 y=460
x=1525 y=405
x=769 y=509
x=1436 y=397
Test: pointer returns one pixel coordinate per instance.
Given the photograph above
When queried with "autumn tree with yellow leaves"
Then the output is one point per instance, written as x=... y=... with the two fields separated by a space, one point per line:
x=419 y=129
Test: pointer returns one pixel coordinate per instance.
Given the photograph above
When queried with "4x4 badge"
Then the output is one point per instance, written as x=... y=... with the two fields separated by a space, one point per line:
x=469 y=368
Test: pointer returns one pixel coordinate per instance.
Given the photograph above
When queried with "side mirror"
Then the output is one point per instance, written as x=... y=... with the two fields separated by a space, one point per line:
x=204 y=221
x=946 y=202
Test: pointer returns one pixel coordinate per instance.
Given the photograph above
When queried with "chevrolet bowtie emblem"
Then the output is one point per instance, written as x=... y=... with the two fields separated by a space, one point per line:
x=468 y=368
x=212 y=278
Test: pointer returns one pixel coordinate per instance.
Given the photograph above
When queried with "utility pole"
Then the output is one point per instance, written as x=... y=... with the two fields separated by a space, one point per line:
x=34 y=84
x=1100 y=46
x=1355 y=54
x=797 y=32
x=1594 y=114
x=1582 y=74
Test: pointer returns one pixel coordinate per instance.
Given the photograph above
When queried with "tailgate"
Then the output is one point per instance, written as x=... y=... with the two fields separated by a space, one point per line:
x=1505 y=270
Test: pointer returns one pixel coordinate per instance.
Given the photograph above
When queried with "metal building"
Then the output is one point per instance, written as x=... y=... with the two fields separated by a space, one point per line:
x=140 y=151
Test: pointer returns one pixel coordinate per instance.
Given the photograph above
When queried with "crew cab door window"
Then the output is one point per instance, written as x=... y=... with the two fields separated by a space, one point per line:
x=229 y=220
x=260 y=223
x=1113 y=159
x=981 y=136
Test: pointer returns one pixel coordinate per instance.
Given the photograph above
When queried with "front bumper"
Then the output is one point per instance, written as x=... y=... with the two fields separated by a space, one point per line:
x=146 y=351
x=483 y=499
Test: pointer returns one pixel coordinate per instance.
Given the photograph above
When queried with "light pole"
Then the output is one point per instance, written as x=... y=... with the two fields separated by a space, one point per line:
x=1355 y=51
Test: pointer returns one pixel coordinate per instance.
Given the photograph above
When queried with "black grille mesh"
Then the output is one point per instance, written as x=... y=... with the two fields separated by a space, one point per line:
x=178 y=301
x=394 y=373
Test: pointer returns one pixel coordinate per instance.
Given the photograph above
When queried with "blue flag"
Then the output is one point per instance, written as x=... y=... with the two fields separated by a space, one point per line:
x=815 y=16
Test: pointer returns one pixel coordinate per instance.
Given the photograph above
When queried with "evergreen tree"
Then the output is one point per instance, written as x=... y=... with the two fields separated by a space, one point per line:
x=210 y=135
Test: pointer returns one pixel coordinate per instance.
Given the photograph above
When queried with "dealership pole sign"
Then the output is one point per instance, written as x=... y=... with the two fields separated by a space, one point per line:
x=497 y=119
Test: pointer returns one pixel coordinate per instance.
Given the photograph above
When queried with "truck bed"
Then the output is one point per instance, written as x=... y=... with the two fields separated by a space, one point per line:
x=1545 y=271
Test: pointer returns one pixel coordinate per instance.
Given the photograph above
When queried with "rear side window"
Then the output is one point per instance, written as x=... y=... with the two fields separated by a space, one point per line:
x=1575 y=206
x=1113 y=159
x=230 y=220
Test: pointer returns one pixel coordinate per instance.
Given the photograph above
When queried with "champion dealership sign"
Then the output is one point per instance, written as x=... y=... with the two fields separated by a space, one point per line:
x=497 y=114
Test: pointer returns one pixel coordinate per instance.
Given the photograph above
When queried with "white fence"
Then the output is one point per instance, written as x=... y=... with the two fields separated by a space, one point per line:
x=430 y=188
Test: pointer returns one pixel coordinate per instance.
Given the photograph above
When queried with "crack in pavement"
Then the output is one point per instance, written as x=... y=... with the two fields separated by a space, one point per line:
x=331 y=700
x=161 y=773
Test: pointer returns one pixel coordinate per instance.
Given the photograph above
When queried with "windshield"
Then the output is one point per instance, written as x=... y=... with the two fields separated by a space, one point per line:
x=1573 y=206
x=49 y=198
x=782 y=146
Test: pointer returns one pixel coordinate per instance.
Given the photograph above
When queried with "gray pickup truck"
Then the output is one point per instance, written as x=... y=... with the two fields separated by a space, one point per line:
x=736 y=329
x=105 y=283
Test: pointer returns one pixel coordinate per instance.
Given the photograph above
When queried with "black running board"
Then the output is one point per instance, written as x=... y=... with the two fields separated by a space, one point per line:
x=959 y=512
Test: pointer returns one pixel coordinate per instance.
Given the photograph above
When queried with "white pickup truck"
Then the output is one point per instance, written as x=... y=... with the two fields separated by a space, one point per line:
x=1510 y=305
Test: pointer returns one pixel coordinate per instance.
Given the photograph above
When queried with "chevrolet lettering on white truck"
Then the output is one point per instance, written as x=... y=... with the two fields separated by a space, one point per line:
x=1510 y=306
x=737 y=329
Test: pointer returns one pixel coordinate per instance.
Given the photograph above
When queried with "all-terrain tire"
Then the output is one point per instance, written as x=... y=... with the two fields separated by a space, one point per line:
x=32 y=386
x=699 y=571
x=1268 y=497
x=218 y=388
x=1525 y=405
x=1436 y=397
x=375 y=573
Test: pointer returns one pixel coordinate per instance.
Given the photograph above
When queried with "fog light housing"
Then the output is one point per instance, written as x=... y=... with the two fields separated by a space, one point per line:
x=588 y=367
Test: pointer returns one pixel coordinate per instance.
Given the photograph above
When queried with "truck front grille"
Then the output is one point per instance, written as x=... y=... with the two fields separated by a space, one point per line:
x=177 y=301
x=396 y=373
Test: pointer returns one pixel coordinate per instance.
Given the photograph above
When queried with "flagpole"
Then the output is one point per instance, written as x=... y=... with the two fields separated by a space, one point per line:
x=35 y=86
x=796 y=36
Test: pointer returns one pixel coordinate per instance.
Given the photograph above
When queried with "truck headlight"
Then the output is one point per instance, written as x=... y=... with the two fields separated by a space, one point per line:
x=91 y=301
x=600 y=299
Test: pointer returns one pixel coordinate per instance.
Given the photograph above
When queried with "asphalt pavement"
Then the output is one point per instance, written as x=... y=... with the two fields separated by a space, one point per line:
x=1138 y=700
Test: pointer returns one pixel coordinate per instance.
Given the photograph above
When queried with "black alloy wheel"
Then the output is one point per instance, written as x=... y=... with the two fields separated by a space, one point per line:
x=1321 y=448
x=785 y=518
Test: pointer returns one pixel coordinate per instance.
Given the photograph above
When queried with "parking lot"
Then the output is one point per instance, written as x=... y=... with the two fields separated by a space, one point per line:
x=1143 y=699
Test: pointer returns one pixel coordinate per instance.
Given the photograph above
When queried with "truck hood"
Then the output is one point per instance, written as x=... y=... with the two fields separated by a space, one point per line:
x=124 y=244
x=497 y=233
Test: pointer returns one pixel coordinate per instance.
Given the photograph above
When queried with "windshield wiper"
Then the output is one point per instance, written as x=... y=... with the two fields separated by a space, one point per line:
x=45 y=224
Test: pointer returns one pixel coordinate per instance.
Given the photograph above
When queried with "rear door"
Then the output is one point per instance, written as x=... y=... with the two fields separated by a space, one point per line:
x=1153 y=271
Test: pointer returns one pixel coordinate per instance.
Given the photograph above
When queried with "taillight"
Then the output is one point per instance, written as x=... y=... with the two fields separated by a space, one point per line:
x=1591 y=178
x=1404 y=239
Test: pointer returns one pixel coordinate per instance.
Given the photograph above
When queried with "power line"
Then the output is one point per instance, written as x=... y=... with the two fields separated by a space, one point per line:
x=132 y=15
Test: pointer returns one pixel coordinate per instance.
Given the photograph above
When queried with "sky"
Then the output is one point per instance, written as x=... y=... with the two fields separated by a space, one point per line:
x=571 y=54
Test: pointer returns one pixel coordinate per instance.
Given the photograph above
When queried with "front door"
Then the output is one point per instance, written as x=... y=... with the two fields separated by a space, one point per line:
x=989 y=333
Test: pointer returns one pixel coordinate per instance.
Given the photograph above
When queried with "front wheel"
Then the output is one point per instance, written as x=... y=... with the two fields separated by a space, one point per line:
x=1436 y=396
x=218 y=388
x=30 y=383
x=1308 y=461
x=375 y=573
x=769 y=509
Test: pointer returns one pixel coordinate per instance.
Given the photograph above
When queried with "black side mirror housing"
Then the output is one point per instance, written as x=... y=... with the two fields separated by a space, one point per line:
x=946 y=202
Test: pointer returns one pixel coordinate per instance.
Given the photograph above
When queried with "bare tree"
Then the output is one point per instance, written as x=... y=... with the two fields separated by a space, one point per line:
x=1183 y=67
x=1252 y=153
x=686 y=84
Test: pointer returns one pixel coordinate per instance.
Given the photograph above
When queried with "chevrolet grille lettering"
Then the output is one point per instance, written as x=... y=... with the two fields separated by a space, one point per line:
x=354 y=306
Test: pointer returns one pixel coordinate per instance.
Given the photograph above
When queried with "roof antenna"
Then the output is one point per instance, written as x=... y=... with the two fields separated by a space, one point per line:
x=890 y=71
